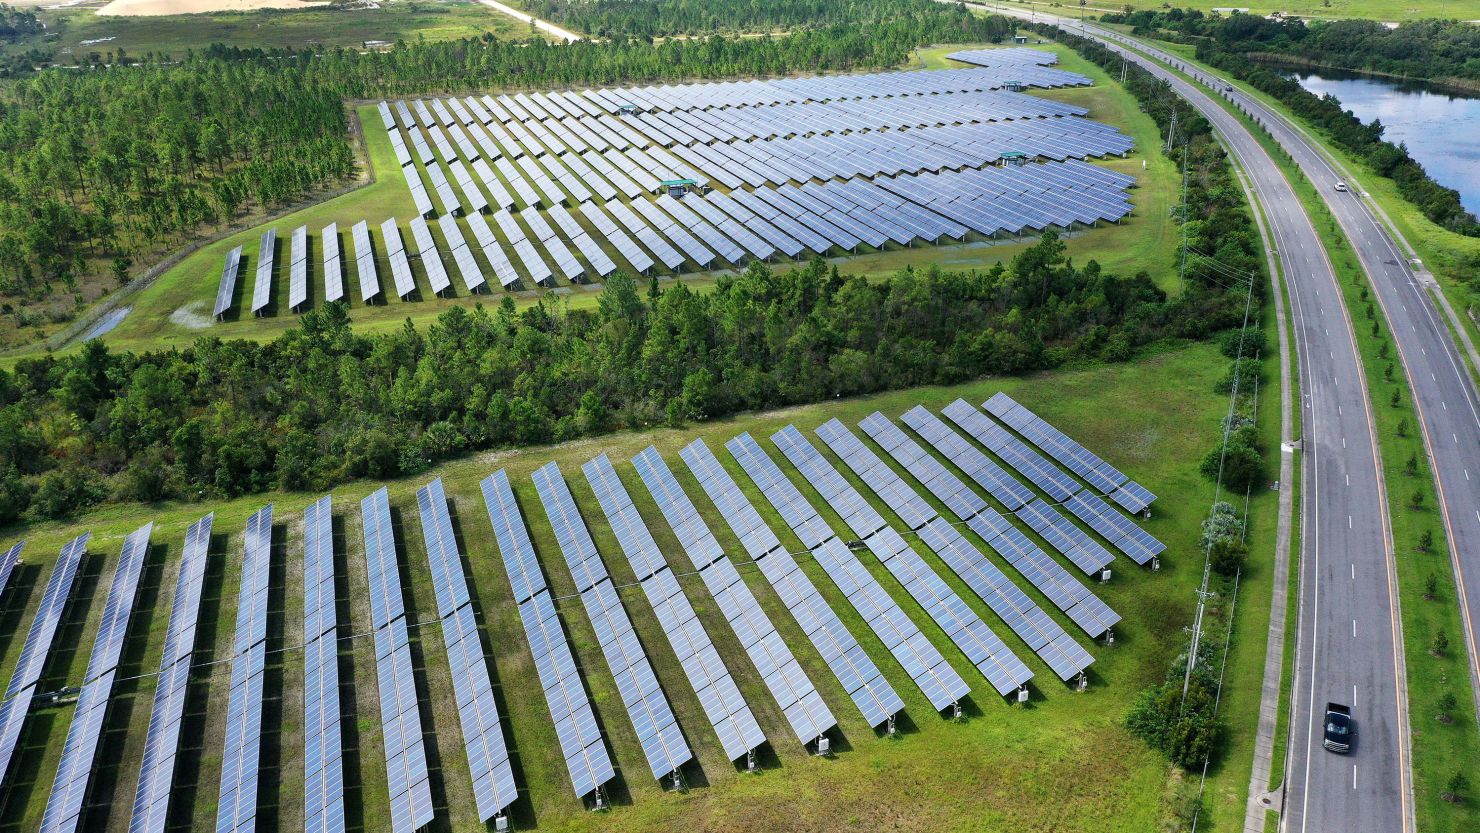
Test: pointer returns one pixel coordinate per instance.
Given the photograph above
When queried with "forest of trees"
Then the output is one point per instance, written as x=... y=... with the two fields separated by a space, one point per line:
x=98 y=164
x=1233 y=43
x=664 y=18
x=321 y=404
x=18 y=23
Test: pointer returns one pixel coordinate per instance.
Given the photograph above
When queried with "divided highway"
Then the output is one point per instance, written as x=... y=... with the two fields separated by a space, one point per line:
x=1349 y=646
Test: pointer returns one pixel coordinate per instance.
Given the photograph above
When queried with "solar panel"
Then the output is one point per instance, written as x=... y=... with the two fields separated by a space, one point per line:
x=407 y=777
x=333 y=265
x=1083 y=607
x=600 y=262
x=262 y=289
x=157 y=773
x=482 y=733
x=462 y=254
x=728 y=713
x=1041 y=633
x=365 y=261
x=576 y=729
x=1080 y=460
x=236 y=807
x=652 y=717
x=502 y=268
x=395 y=250
x=431 y=260
x=323 y=744
x=11 y=558
x=17 y=703
x=808 y=715
x=990 y=476
x=914 y=652
x=298 y=269
x=1114 y=527
x=64 y=805
x=227 y=288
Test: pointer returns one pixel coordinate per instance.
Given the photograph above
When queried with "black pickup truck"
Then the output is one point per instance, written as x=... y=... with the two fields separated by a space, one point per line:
x=1339 y=728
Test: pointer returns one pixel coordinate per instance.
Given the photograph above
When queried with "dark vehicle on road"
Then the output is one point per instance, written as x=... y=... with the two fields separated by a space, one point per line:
x=1339 y=728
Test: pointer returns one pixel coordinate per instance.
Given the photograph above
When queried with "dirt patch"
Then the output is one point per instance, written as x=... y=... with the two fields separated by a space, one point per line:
x=156 y=8
x=195 y=316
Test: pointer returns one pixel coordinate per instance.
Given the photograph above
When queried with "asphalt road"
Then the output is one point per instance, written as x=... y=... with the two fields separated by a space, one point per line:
x=1349 y=646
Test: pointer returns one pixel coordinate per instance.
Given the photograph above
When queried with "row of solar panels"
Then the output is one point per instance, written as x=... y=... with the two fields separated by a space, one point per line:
x=1008 y=57
x=648 y=708
x=876 y=85
x=688 y=127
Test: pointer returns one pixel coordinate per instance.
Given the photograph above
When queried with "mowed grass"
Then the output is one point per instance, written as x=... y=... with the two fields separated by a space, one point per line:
x=327 y=27
x=176 y=308
x=1062 y=763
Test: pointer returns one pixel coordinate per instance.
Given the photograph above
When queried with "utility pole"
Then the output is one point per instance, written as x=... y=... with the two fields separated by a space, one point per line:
x=1182 y=270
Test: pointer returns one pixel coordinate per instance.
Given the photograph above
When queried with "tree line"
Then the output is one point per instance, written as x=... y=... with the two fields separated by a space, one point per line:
x=666 y=18
x=321 y=404
x=1422 y=49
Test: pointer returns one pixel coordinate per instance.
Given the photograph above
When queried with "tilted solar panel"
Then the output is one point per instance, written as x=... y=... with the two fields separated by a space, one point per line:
x=1070 y=596
x=227 y=288
x=365 y=261
x=236 y=808
x=483 y=738
x=262 y=288
x=586 y=758
x=298 y=266
x=333 y=264
x=728 y=713
x=806 y=712
x=408 y=779
x=323 y=760
x=431 y=259
x=1041 y=633
x=652 y=717
x=79 y=752
x=157 y=773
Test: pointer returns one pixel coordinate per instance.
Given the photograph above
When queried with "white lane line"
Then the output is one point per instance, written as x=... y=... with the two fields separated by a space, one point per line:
x=1348 y=521
x=1354 y=629
x=1354 y=776
x=1354 y=578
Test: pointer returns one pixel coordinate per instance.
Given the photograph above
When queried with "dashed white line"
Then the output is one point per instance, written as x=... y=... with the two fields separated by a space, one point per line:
x=1354 y=629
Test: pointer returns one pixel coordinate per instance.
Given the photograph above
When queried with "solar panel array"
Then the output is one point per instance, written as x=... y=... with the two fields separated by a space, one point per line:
x=333 y=264
x=262 y=289
x=323 y=742
x=493 y=252
x=298 y=269
x=652 y=716
x=1041 y=516
x=28 y=668
x=79 y=751
x=1110 y=481
x=808 y=715
x=1052 y=580
x=1119 y=530
x=482 y=731
x=768 y=652
x=728 y=713
x=1041 y=633
x=365 y=261
x=915 y=653
x=407 y=777
x=227 y=289
x=984 y=648
x=585 y=754
x=1024 y=58
x=162 y=743
x=241 y=757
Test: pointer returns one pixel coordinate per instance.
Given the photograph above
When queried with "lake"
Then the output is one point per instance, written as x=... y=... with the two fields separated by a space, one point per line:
x=1441 y=129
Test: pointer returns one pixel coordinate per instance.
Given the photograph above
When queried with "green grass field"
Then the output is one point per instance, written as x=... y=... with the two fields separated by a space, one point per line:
x=1062 y=763
x=329 y=27
x=175 y=309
